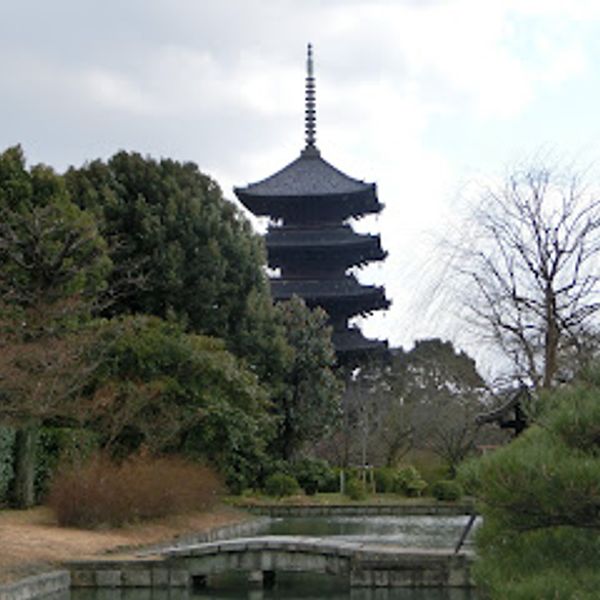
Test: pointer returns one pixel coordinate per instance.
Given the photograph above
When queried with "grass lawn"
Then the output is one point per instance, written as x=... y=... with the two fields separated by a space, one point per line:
x=256 y=499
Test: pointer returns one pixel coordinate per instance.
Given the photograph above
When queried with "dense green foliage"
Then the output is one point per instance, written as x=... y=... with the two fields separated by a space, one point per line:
x=384 y=480
x=281 y=484
x=7 y=440
x=356 y=489
x=60 y=445
x=447 y=489
x=134 y=307
x=160 y=388
x=49 y=248
x=309 y=403
x=541 y=504
x=181 y=250
x=408 y=481
x=53 y=264
x=315 y=475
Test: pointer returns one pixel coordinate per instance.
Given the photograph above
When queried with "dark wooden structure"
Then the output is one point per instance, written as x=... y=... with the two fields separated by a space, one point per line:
x=311 y=242
x=510 y=415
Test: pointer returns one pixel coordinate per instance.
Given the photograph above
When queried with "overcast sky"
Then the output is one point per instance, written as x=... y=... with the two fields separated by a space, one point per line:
x=420 y=96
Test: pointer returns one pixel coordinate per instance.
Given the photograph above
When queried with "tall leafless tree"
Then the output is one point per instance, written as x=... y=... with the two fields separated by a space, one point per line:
x=529 y=269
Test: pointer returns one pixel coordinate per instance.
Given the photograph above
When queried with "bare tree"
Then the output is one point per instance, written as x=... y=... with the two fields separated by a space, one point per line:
x=529 y=269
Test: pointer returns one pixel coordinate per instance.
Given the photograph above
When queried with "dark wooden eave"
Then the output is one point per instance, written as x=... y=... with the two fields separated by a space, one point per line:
x=352 y=341
x=338 y=297
x=306 y=185
x=340 y=244
x=517 y=421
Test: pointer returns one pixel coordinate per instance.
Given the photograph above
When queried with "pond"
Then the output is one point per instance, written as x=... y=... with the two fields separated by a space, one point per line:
x=405 y=531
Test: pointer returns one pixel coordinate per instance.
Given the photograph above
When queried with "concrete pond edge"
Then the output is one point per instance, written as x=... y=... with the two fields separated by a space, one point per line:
x=36 y=586
x=59 y=581
x=148 y=570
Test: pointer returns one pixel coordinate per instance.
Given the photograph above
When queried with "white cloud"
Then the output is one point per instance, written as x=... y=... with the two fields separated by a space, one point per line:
x=221 y=83
x=114 y=92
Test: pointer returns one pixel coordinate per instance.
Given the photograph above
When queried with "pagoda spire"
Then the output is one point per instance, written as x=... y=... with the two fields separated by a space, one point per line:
x=310 y=120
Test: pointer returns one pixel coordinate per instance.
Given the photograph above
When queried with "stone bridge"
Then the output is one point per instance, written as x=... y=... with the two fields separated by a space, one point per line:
x=365 y=565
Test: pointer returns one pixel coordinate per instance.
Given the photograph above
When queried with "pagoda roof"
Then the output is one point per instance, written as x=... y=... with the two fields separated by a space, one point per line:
x=321 y=288
x=309 y=176
x=343 y=296
x=341 y=235
x=352 y=341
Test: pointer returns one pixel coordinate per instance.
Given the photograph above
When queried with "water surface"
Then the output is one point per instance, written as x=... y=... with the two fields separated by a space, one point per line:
x=405 y=531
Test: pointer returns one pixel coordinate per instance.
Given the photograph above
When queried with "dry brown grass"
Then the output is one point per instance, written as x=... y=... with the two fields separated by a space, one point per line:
x=31 y=541
x=102 y=493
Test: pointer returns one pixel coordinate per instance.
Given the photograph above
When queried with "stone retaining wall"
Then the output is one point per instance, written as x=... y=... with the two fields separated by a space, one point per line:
x=236 y=530
x=363 y=565
x=106 y=573
x=55 y=582
x=342 y=510
x=131 y=573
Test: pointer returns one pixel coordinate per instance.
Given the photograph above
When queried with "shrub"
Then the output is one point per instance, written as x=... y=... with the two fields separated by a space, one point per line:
x=102 y=492
x=409 y=482
x=7 y=441
x=447 y=489
x=355 y=489
x=384 y=480
x=469 y=475
x=313 y=475
x=539 y=501
x=332 y=483
x=60 y=445
x=281 y=484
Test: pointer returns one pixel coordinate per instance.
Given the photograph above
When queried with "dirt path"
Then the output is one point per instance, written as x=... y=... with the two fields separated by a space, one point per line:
x=31 y=541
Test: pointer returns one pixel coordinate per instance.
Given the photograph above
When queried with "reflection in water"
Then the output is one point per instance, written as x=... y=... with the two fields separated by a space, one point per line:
x=288 y=587
x=409 y=532
x=422 y=532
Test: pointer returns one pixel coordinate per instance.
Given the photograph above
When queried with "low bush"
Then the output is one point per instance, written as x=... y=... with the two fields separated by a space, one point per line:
x=447 y=489
x=314 y=475
x=408 y=481
x=355 y=489
x=281 y=484
x=384 y=480
x=60 y=445
x=104 y=493
x=332 y=483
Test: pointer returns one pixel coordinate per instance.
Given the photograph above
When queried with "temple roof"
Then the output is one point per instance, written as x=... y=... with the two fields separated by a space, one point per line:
x=309 y=188
x=308 y=175
x=339 y=246
x=353 y=341
x=346 y=287
x=337 y=236
x=344 y=296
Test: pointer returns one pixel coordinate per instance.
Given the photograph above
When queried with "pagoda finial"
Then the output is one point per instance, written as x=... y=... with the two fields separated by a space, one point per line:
x=310 y=121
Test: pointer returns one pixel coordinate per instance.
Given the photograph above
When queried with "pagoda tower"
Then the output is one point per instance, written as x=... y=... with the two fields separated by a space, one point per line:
x=311 y=242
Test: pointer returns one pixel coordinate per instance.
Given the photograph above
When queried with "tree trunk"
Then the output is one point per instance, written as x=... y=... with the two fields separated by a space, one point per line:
x=551 y=341
x=23 y=492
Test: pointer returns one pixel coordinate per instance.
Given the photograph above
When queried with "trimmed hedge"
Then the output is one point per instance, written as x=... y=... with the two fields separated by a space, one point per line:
x=355 y=489
x=7 y=445
x=281 y=484
x=447 y=489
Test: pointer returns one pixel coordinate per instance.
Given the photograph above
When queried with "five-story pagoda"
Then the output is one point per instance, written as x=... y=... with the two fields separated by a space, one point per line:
x=311 y=242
